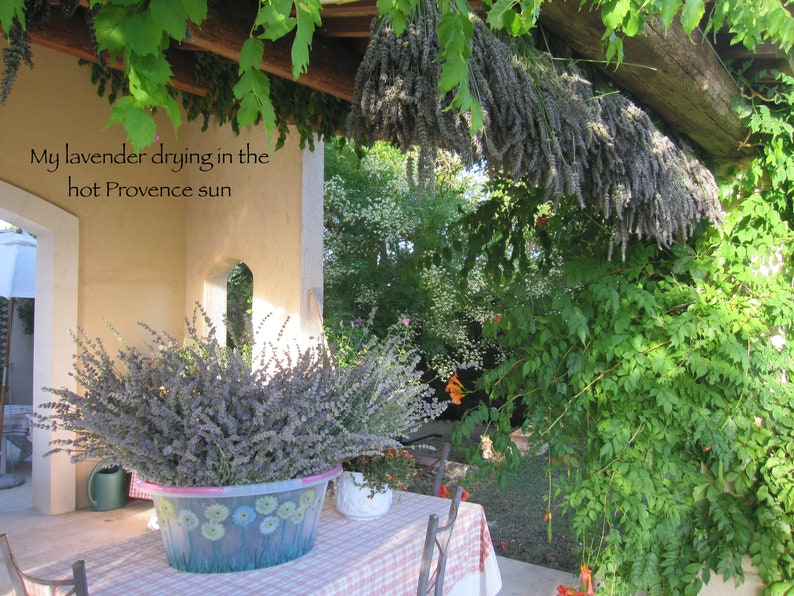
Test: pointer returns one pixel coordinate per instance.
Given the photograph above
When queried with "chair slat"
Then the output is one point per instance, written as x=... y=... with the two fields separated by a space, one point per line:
x=431 y=579
x=77 y=585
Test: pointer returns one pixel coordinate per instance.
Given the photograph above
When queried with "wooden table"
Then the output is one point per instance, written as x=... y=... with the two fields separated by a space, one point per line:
x=350 y=558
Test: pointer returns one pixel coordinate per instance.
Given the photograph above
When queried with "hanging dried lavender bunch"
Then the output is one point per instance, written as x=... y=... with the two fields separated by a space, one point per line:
x=563 y=138
x=542 y=123
x=397 y=96
x=645 y=184
x=18 y=50
x=539 y=121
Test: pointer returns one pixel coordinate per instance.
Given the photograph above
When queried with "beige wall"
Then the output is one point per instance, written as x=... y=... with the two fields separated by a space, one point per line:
x=145 y=259
x=260 y=224
x=132 y=255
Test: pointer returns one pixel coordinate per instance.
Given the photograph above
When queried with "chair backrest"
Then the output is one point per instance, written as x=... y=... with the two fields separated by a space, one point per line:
x=76 y=586
x=440 y=471
x=431 y=578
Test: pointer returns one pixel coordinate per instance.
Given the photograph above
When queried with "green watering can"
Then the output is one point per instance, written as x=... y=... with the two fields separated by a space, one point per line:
x=107 y=487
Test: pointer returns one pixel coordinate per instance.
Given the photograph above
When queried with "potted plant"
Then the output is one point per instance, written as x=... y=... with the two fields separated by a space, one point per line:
x=199 y=424
x=364 y=490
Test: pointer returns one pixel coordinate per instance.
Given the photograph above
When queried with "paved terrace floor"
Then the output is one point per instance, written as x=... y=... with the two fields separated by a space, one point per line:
x=37 y=539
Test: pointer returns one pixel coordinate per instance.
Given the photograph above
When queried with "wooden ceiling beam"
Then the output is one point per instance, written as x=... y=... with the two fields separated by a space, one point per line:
x=72 y=37
x=332 y=68
x=681 y=79
x=357 y=27
x=364 y=8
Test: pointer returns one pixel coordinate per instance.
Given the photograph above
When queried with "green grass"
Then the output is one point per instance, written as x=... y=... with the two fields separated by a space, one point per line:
x=516 y=512
x=516 y=508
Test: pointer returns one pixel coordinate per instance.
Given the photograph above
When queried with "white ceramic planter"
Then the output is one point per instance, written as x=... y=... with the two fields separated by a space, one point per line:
x=359 y=502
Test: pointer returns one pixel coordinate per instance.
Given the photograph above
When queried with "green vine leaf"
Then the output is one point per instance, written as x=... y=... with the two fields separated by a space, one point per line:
x=151 y=73
x=138 y=123
x=668 y=11
x=11 y=10
x=613 y=12
x=455 y=33
x=142 y=34
x=308 y=17
x=501 y=15
x=110 y=30
x=253 y=91
x=196 y=10
x=251 y=54
x=253 y=87
x=171 y=16
x=274 y=19
x=397 y=12
x=634 y=23
x=614 y=49
x=691 y=14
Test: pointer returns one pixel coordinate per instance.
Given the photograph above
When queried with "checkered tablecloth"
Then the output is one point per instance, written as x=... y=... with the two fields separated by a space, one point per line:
x=16 y=429
x=15 y=419
x=349 y=558
x=133 y=490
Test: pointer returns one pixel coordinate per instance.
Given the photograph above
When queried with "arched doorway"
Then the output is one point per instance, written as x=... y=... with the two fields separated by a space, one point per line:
x=228 y=299
x=239 y=305
x=57 y=234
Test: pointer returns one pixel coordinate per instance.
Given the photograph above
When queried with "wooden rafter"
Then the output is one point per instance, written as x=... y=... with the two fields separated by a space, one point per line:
x=682 y=80
x=332 y=67
x=71 y=36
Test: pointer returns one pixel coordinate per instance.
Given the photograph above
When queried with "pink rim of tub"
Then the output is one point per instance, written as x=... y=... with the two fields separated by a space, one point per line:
x=239 y=490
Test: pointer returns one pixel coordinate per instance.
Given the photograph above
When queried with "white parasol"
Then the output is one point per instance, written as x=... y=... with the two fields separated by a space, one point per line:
x=17 y=265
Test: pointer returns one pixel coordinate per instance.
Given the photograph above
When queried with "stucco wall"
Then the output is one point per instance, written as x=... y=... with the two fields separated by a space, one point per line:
x=260 y=224
x=150 y=258
x=132 y=251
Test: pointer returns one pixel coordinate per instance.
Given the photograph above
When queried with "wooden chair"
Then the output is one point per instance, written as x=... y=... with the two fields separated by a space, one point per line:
x=442 y=467
x=431 y=471
x=431 y=578
x=24 y=583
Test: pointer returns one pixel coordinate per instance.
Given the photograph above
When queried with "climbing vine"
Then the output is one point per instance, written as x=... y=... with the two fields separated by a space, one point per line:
x=664 y=381
x=312 y=113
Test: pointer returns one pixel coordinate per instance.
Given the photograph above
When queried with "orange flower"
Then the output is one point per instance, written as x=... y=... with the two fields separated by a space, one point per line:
x=547 y=516
x=568 y=591
x=587 y=578
x=455 y=389
x=444 y=492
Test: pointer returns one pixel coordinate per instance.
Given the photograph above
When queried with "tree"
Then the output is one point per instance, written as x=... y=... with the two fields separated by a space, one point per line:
x=385 y=251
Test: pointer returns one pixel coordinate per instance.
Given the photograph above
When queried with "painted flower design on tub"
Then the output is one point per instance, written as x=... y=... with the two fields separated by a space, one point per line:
x=251 y=530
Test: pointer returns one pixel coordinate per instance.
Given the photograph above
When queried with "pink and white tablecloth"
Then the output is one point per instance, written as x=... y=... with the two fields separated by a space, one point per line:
x=350 y=558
